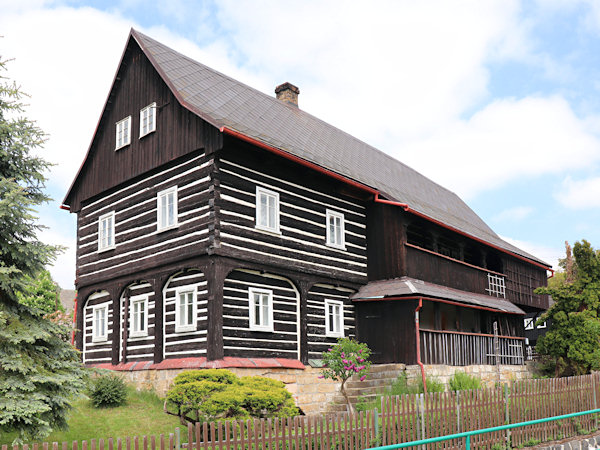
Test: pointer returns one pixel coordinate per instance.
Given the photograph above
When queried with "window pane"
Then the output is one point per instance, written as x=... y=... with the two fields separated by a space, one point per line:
x=190 y=309
x=163 y=212
x=257 y=318
x=263 y=211
x=271 y=211
x=181 y=310
x=171 y=208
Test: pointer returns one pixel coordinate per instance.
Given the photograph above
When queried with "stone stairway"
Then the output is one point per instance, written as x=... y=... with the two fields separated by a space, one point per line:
x=380 y=378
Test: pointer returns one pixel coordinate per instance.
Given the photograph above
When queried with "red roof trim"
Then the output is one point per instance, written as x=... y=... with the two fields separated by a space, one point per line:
x=203 y=363
x=439 y=300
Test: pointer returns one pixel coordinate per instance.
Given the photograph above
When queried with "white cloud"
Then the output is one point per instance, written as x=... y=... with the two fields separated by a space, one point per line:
x=517 y=213
x=507 y=140
x=580 y=194
x=550 y=255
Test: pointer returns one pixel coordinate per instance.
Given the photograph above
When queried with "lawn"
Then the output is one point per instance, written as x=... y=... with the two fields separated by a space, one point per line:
x=142 y=415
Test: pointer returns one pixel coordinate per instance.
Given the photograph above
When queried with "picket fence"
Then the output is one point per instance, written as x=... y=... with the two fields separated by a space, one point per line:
x=399 y=419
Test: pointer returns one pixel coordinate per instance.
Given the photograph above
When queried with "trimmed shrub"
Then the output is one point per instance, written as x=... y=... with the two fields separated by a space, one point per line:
x=461 y=381
x=197 y=396
x=108 y=391
x=221 y=376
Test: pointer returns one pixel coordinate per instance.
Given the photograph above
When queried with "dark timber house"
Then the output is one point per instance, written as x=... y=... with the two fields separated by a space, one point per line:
x=219 y=224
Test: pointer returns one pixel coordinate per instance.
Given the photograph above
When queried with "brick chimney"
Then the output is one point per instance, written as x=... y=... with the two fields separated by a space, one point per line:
x=288 y=93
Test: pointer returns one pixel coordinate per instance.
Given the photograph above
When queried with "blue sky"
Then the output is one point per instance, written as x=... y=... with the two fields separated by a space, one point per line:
x=497 y=100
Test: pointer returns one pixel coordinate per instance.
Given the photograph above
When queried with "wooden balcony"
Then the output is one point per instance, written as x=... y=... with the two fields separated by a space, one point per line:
x=464 y=349
x=519 y=281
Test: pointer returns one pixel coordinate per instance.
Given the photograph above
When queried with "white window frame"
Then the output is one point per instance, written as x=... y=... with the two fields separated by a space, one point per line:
x=542 y=325
x=254 y=325
x=339 y=319
x=496 y=286
x=179 y=328
x=528 y=323
x=143 y=331
x=99 y=335
x=111 y=231
x=160 y=198
x=151 y=111
x=262 y=191
x=121 y=124
x=331 y=238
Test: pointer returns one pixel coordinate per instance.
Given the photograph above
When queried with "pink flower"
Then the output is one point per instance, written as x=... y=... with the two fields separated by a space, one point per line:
x=321 y=376
x=363 y=378
x=360 y=350
x=343 y=355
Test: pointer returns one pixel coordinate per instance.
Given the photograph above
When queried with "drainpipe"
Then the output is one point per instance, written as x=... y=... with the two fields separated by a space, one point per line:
x=419 y=344
x=74 y=322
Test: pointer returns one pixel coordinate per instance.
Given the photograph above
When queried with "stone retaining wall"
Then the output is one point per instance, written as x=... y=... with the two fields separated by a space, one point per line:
x=313 y=394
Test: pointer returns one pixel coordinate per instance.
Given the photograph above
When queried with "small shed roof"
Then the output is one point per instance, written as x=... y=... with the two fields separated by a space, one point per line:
x=411 y=287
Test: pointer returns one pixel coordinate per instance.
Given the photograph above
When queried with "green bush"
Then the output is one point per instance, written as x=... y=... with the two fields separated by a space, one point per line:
x=461 y=381
x=204 y=395
x=214 y=375
x=108 y=391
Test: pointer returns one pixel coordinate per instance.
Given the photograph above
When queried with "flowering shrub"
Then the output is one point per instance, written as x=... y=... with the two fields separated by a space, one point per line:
x=345 y=359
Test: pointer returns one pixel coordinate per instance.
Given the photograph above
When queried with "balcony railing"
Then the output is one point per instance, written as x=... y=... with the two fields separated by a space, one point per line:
x=464 y=349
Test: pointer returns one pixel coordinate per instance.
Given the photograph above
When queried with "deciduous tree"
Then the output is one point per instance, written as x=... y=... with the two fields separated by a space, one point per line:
x=572 y=344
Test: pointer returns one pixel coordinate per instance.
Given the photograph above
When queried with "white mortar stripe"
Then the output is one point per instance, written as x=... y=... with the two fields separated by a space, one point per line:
x=279 y=247
x=145 y=257
x=120 y=191
x=225 y=244
x=321 y=194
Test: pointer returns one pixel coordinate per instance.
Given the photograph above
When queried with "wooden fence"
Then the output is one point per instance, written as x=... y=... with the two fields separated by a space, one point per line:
x=411 y=417
x=399 y=419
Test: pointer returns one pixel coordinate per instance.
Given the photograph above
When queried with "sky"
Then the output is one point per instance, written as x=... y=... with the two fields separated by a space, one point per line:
x=496 y=100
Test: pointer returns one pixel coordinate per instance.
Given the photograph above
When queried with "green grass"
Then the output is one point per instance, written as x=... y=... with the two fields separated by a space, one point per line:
x=141 y=415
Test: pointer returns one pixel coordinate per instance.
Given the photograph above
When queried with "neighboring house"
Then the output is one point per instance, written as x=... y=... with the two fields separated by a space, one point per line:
x=217 y=223
x=67 y=299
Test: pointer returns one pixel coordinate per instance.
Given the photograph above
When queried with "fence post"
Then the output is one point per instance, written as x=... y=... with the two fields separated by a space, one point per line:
x=595 y=400
x=376 y=422
x=458 y=411
x=422 y=414
x=177 y=439
x=506 y=414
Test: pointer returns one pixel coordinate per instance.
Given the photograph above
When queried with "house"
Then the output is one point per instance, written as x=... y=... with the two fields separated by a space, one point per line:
x=219 y=224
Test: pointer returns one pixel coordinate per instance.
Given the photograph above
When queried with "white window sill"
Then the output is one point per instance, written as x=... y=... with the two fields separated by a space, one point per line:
x=122 y=146
x=99 y=339
x=271 y=231
x=105 y=249
x=334 y=335
x=144 y=135
x=258 y=328
x=185 y=328
x=170 y=227
x=339 y=247
x=138 y=334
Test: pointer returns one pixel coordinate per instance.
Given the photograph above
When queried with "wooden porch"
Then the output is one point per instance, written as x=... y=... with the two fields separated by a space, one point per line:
x=463 y=349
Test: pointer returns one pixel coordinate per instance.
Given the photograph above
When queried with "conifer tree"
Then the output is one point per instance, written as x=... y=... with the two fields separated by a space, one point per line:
x=39 y=371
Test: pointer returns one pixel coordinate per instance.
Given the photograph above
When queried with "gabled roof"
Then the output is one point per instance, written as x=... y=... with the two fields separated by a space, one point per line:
x=410 y=287
x=229 y=104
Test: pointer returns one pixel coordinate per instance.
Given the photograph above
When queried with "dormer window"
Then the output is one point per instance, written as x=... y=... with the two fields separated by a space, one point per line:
x=267 y=210
x=123 y=132
x=335 y=230
x=147 y=120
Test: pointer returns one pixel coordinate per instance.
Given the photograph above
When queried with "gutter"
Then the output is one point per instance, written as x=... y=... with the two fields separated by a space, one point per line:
x=419 y=344
x=368 y=189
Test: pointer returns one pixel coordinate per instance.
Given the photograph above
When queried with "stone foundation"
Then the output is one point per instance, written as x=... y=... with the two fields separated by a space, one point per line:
x=489 y=375
x=313 y=394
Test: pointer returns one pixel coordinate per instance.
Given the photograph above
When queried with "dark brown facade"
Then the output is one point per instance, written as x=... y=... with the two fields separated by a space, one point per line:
x=195 y=289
